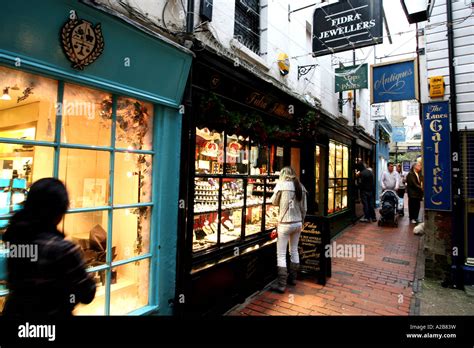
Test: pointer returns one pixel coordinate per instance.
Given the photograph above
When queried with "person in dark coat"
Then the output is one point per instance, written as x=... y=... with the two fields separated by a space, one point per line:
x=366 y=188
x=50 y=279
x=415 y=192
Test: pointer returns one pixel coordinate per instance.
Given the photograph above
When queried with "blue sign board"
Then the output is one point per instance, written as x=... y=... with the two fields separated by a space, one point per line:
x=437 y=156
x=398 y=135
x=394 y=81
x=406 y=166
x=414 y=149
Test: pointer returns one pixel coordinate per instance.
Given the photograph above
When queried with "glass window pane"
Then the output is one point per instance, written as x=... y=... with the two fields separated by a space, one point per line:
x=84 y=121
x=253 y=219
x=132 y=178
x=205 y=230
x=86 y=175
x=346 y=162
x=344 y=199
x=232 y=202
x=24 y=164
x=209 y=152
x=97 y=306
x=27 y=106
x=237 y=161
x=89 y=231
x=338 y=199
x=276 y=159
x=129 y=287
x=339 y=161
x=258 y=159
x=330 y=201
x=131 y=232
x=332 y=159
x=134 y=126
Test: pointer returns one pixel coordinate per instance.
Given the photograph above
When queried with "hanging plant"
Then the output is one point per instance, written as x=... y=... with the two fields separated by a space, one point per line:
x=307 y=124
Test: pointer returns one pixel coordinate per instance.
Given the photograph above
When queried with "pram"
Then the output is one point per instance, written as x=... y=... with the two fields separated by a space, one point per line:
x=389 y=208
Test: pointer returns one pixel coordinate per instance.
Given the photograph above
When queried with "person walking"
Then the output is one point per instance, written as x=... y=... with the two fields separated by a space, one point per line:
x=402 y=181
x=390 y=179
x=290 y=195
x=54 y=280
x=366 y=189
x=415 y=192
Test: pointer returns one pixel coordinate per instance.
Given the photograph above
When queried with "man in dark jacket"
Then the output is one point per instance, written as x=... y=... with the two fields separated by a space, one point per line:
x=366 y=188
x=415 y=192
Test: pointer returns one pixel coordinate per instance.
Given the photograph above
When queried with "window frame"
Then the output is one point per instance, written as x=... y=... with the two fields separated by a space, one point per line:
x=57 y=145
x=244 y=34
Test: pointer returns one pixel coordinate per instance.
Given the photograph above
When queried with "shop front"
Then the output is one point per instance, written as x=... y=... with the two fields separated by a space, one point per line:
x=241 y=133
x=84 y=100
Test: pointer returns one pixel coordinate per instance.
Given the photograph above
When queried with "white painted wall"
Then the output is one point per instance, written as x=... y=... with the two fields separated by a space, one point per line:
x=436 y=60
x=278 y=34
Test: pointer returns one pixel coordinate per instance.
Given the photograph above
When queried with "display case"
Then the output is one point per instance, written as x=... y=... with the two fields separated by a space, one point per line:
x=231 y=196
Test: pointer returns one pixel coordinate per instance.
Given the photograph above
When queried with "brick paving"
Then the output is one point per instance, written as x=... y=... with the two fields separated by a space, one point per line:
x=381 y=284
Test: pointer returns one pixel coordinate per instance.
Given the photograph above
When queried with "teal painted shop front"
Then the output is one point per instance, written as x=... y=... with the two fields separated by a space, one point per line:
x=111 y=132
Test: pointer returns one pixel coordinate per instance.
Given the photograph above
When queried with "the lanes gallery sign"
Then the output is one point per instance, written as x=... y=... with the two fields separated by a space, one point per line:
x=347 y=25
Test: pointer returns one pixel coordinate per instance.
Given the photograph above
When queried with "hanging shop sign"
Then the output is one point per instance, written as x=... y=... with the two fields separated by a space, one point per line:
x=398 y=135
x=394 y=81
x=436 y=86
x=437 y=156
x=347 y=25
x=414 y=149
x=312 y=248
x=353 y=77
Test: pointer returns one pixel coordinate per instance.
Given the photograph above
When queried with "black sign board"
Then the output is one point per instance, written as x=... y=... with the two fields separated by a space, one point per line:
x=314 y=237
x=346 y=25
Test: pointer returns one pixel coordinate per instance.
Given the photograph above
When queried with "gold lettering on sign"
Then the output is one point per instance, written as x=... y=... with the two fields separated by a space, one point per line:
x=436 y=127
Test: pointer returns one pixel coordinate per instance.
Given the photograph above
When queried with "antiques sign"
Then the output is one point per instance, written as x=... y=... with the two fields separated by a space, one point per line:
x=394 y=81
x=437 y=156
x=354 y=77
x=347 y=25
x=81 y=41
x=312 y=248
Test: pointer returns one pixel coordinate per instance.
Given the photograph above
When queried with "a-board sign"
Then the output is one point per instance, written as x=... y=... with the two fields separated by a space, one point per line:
x=312 y=246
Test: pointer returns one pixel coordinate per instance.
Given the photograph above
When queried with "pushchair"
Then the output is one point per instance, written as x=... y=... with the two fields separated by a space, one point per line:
x=389 y=208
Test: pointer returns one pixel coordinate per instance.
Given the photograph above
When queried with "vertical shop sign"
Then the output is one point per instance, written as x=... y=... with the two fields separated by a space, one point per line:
x=437 y=156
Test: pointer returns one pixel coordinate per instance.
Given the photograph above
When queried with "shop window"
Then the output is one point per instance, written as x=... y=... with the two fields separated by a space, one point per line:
x=338 y=172
x=231 y=197
x=319 y=180
x=97 y=169
x=209 y=152
x=83 y=120
x=27 y=106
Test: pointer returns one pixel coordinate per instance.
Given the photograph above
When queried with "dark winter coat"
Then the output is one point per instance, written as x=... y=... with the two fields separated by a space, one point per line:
x=52 y=285
x=414 y=188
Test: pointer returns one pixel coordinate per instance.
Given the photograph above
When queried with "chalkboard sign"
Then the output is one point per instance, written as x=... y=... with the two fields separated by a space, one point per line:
x=311 y=247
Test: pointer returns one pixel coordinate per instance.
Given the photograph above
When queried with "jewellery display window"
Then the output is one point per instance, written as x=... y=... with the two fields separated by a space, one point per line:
x=109 y=179
x=235 y=203
x=338 y=172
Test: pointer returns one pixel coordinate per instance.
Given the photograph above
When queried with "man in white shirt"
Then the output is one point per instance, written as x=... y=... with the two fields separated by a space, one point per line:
x=390 y=178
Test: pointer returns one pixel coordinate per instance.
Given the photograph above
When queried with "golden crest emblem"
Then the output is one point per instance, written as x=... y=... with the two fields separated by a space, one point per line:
x=82 y=42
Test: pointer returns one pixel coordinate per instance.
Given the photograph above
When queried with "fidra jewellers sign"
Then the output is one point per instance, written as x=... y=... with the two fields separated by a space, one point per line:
x=347 y=25
x=437 y=156
x=351 y=77
x=394 y=81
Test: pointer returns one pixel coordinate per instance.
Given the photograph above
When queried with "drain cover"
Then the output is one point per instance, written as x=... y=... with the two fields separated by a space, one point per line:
x=397 y=261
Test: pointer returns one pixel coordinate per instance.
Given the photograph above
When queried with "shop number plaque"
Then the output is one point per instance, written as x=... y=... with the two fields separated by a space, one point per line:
x=314 y=237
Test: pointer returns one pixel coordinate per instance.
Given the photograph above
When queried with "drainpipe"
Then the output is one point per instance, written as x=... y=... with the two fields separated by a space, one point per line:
x=190 y=17
x=457 y=235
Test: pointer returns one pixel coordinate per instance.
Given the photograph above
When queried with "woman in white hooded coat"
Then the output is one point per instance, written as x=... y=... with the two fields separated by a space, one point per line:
x=290 y=195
